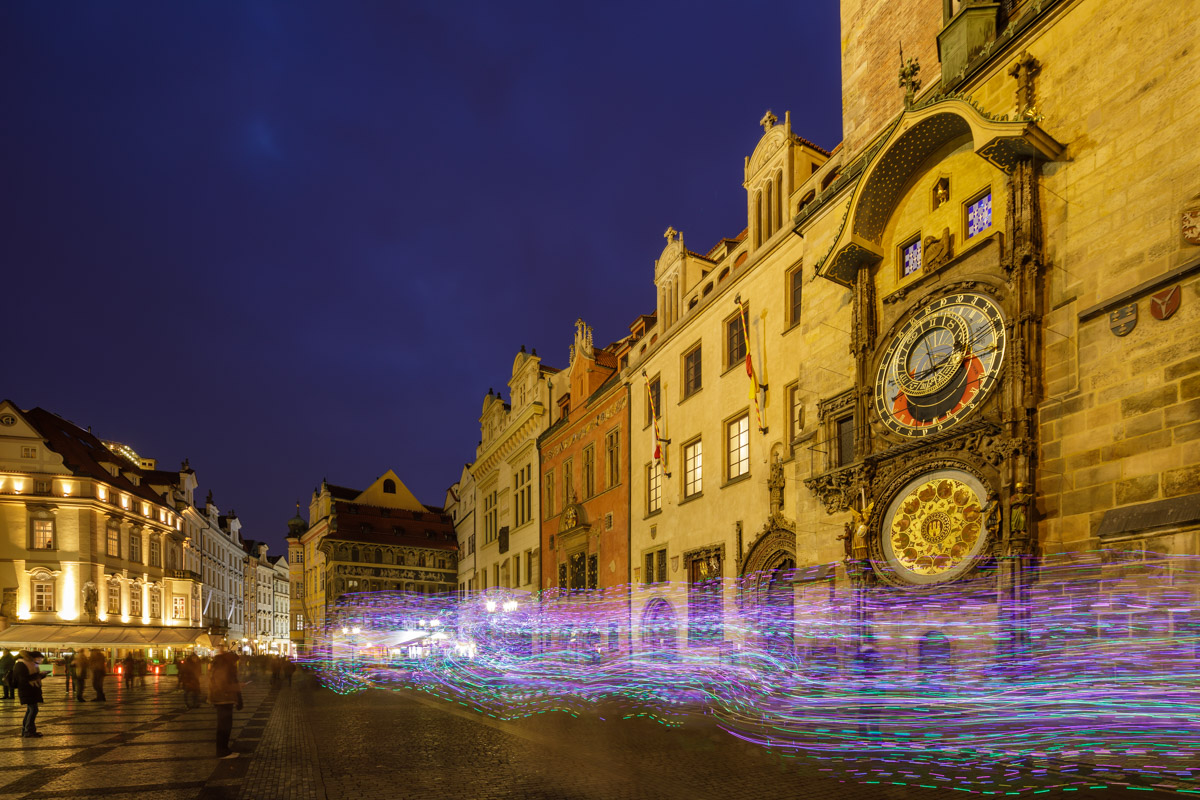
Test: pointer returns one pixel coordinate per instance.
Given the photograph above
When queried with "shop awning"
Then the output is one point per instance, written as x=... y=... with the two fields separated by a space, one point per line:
x=99 y=636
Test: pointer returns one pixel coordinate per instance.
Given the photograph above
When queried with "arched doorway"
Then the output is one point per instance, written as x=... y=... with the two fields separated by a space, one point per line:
x=659 y=630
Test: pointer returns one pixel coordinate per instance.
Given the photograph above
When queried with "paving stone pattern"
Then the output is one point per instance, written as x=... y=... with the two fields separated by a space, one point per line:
x=307 y=743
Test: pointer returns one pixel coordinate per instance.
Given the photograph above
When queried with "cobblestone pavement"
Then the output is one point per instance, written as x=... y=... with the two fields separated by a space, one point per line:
x=307 y=743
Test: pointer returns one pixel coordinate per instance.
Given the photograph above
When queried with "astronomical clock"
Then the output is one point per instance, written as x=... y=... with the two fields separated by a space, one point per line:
x=931 y=451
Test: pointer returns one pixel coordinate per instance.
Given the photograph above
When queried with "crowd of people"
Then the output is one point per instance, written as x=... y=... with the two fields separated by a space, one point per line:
x=21 y=677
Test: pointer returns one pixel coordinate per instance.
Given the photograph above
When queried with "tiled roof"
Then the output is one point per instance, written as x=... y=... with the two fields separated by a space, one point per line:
x=82 y=453
x=342 y=492
x=817 y=147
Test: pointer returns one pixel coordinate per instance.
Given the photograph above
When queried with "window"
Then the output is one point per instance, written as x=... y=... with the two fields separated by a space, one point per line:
x=845 y=441
x=548 y=480
x=911 y=257
x=691 y=372
x=43 y=534
x=470 y=546
x=589 y=471
x=135 y=601
x=654 y=406
x=490 y=517
x=114 y=598
x=43 y=595
x=28 y=452
x=114 y=541
x=979 y=214
x=654 y=476
x=738 y=438
x=795 y=413
x=155 y=552
x=735 y=339
x=612 y=458
x=389 y=486
x=522 y=495
x=529 y=566
x=693 y=469
x=135 y=547
x=795 y=288
x=299 y=622
x=593 y=571
x=516 y=569
x=178 y=607
x=655 y=562
x=156 y=603
x=568 y=482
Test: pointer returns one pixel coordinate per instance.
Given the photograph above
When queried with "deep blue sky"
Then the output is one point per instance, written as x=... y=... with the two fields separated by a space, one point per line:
x=301 y=240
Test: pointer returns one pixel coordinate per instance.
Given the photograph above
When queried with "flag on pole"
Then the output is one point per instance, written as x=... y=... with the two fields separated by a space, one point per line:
x=654 y=417
x=749 y=364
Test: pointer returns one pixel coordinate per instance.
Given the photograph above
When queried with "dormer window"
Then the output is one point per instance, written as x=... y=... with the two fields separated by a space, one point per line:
x=389 y=486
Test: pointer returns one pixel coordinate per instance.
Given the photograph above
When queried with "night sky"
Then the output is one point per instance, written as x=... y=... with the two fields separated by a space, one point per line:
x=294 y=240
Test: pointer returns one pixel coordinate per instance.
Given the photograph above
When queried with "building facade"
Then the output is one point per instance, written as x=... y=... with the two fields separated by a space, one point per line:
x=585 y=474
x=988 y=346
x=381 y=538
x=281 y=641
x=507 y=478
x=460 y=507
x=92 y=547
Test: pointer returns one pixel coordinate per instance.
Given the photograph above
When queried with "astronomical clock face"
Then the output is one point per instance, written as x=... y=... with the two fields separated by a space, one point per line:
x=941 y=365
x=935 y=526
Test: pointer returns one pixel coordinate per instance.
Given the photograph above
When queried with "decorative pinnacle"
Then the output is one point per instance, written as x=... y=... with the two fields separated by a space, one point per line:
x=768 y=121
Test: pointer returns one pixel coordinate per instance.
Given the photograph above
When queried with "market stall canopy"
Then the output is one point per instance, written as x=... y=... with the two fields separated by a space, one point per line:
x=99 y=636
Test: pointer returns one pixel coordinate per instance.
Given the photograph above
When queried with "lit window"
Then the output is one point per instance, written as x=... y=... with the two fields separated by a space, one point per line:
x=43 y=596
x=28 y=452
x=114 y=541
x=739 y=447
x=912 y=257
x=178 y=607
x=43 y=534
x=114 y=598
x=155 y=603
x=135 y=601
x=654 y=475
x=693 y=469
x=979 y=215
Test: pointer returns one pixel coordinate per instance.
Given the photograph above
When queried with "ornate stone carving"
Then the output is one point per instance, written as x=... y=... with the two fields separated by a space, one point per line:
x=768 y=121
x=1024 y=69
x=909 y=80
x=938 y=251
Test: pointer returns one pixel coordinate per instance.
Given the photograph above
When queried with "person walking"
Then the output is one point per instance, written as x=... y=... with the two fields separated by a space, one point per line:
x=128 y=670
x=98 y=666
x=189 y=678
x=29 y=690
x=224 y=692
x=140 y=663
x=7 y=662
x=289 y=667
x=81 y=671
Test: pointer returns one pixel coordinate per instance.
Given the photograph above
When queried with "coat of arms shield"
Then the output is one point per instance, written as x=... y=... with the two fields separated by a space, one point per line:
x=1123 y=320
x=1165 y=303
x=1191 y=225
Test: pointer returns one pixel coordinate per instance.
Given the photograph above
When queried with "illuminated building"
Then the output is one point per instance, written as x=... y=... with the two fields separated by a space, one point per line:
x=380 y=538
x=974 y=328
x=92 y=545
x=507 y=479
